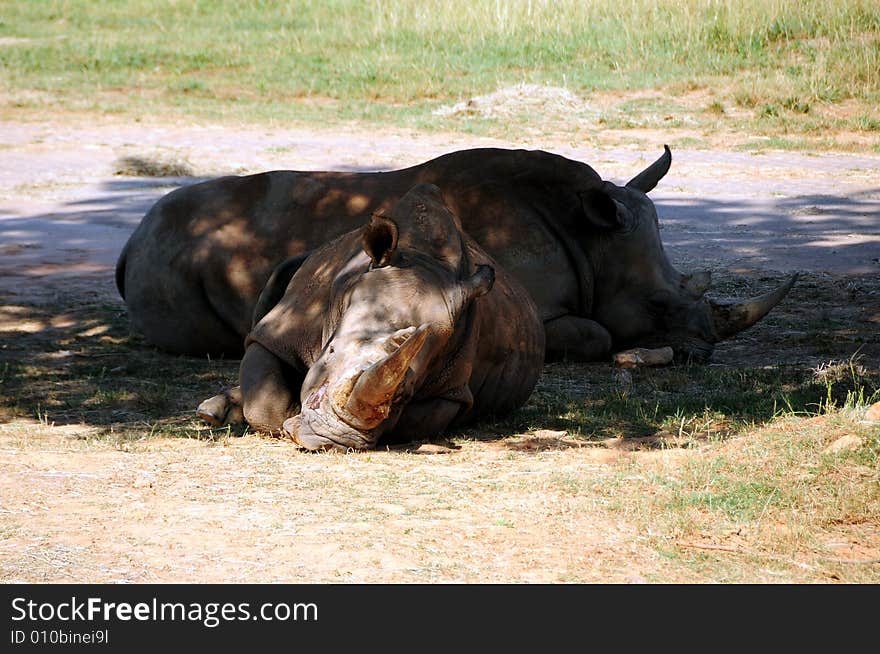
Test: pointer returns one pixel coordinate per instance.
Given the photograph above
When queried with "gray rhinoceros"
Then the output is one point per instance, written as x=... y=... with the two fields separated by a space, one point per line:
x=399 y=328
x=588 y=251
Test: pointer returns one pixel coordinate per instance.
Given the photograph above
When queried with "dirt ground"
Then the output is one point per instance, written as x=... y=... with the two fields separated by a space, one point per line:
x=534 y=506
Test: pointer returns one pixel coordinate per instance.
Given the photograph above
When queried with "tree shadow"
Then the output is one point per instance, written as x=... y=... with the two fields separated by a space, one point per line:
x=69 y=358
x=834 y=233
x=74 y=362
x=80 y=237
x=673 y=407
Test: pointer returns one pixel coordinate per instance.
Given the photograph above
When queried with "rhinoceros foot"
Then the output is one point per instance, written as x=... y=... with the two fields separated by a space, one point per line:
x=222 y=409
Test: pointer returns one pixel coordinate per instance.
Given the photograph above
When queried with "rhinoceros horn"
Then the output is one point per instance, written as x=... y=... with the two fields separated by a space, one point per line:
x=371 y=395
x=732 y=317
x=646 y=180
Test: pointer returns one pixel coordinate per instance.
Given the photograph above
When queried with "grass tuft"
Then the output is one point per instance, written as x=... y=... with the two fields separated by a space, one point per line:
x=135 y=166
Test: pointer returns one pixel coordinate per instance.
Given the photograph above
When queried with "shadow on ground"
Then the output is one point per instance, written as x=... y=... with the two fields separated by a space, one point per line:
x=70 y=359
x=74 y=362
x=839 y=234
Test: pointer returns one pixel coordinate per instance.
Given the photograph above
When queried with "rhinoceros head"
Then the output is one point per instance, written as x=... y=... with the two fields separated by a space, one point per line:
x=638 y=295
x=397 y=316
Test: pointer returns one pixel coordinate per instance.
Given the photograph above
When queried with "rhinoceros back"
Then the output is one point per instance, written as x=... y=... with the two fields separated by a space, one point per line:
x=181 y=280
x=193 y=269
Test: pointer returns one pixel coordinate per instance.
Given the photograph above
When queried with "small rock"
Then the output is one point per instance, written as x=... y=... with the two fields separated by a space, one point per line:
x=394 y=509
x=549 y=433
x=540 y=440
x=873 y=412
x=641 y=356
x=844 y=444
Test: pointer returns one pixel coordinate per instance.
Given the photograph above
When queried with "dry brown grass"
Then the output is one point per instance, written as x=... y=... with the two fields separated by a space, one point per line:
x=153 y=166
x=82 y=509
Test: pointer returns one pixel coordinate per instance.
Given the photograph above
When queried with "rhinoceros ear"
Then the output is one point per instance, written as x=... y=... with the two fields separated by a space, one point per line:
x=380 y=240
x=600 y=210
x=481 y=282
x=469 y=289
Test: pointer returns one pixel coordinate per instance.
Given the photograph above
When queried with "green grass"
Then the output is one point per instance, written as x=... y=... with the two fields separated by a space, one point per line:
x=785 y=61
x=683 y=404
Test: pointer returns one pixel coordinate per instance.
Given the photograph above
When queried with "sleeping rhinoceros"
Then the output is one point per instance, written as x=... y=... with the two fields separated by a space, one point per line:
x=399 y=328
x=588 y=251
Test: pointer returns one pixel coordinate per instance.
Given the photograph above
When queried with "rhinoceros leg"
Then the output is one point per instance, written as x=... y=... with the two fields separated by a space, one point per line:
x=222 y=409
x=577 y=339
x=269 y=389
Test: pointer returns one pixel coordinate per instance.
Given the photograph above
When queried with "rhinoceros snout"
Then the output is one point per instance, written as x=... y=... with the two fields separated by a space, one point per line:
x=693 y=352
x=314 y=431
x=304 y=438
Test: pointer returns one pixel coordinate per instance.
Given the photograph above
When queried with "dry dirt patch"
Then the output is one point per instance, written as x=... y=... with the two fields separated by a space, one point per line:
x=255 y=509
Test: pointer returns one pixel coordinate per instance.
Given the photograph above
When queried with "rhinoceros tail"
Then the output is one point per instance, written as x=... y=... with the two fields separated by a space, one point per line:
x=120 y=270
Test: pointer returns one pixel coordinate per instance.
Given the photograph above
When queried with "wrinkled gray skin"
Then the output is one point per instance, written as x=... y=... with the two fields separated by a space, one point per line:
x=588 y=251
x=394 y=330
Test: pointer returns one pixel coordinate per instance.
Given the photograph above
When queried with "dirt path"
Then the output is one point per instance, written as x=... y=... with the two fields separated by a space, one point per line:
x=64 y=214
x=110 y=501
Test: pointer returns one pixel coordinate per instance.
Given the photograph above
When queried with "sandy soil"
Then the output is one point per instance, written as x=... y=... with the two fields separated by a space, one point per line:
x=252 y=509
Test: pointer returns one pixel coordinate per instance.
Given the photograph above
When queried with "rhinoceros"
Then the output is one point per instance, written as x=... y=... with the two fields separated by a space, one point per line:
x=588 y=251
x=397 y=329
